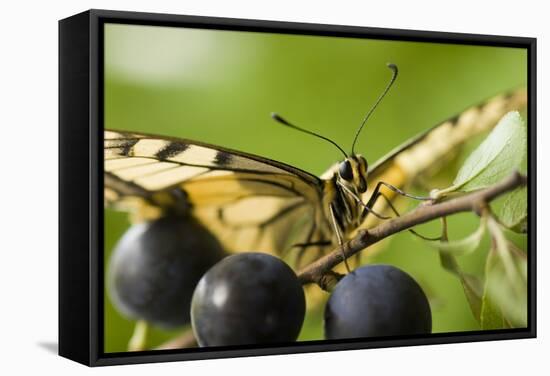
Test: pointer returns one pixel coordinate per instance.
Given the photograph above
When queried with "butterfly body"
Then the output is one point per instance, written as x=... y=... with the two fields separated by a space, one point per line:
x=341 y=194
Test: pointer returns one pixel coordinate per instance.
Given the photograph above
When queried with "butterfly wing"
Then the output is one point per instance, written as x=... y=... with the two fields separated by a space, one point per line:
x=250 y=203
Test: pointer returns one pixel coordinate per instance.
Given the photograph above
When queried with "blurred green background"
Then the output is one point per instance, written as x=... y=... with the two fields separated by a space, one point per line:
x=220 y=87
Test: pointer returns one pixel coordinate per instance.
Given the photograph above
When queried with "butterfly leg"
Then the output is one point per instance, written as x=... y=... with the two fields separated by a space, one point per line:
x=376 y=193
x=339 y=237
x=392 y=207
x=365 y=207
x=399 y=191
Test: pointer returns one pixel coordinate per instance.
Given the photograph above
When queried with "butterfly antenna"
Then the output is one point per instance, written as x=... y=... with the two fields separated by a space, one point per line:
x=280 y=120
x=393 y=67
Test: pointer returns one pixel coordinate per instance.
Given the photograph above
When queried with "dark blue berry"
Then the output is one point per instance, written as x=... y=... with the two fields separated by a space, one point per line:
x=248 y=298
x=377 y=301
x=155 y=267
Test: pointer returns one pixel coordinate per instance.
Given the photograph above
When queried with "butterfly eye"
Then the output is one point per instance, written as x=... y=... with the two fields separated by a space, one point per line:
x=345 y=171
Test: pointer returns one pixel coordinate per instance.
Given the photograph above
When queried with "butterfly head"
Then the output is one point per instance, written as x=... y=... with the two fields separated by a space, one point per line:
x=352 y=173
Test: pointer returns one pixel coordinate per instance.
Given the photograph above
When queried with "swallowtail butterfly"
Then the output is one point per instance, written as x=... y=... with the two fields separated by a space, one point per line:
x=252 y=203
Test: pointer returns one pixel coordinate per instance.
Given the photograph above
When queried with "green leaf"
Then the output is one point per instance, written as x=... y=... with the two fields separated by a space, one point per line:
x=495 y=158
x=463 y=246
x=471 y=284
x=513 y=213
x=473 y=290
x=491 y=315
x=504 y=302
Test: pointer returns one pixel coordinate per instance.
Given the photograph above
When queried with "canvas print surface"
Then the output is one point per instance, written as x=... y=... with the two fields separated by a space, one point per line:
x=267 y=189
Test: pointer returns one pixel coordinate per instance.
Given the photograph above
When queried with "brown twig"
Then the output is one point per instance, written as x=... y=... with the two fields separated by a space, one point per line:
x=475 y=201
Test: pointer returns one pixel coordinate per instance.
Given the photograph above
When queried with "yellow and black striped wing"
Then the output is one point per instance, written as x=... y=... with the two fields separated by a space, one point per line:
x=250 y=203
x=430 y=150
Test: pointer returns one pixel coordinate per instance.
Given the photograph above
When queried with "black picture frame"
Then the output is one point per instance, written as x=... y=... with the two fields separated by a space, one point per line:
x=81 y=281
